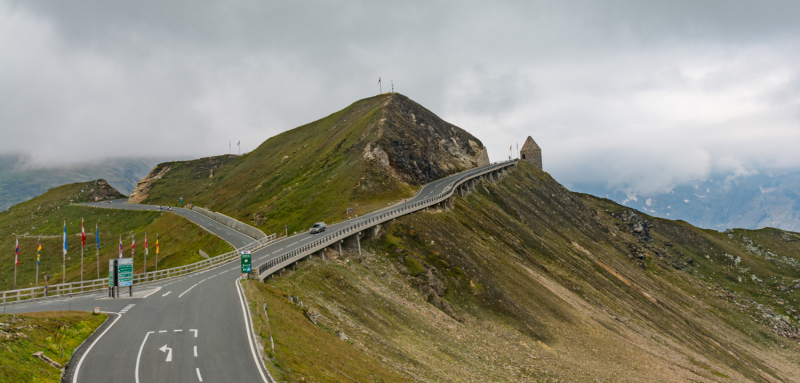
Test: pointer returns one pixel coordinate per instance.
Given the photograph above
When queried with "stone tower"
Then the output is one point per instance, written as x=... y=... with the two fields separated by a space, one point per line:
x=532 y=153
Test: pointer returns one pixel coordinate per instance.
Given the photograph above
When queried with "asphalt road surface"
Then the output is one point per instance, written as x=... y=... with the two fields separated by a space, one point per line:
x=191 y=329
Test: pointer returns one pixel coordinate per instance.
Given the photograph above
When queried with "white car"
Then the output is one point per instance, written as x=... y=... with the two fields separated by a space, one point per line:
x=318 y=227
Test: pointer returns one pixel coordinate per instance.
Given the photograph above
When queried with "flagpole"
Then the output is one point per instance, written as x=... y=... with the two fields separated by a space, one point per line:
x=38 y=251
x=16 y=261
x=64 y=257
x=97 y=240
x=83 y=240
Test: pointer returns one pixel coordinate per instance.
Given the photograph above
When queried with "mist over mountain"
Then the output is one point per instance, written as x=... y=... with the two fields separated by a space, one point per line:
x=763 y=198
x=22 y=179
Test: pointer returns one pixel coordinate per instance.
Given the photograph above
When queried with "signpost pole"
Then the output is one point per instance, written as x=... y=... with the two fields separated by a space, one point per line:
x=246 y=266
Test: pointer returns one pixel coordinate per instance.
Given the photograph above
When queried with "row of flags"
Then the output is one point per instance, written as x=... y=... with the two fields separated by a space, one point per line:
x=83 y=243
x=38 y=252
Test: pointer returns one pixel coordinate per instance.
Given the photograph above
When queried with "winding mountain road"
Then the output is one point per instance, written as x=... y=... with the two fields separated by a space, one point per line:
x=190 y=329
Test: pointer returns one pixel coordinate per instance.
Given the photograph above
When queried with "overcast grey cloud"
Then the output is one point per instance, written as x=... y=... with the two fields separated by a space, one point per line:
x=641 y=93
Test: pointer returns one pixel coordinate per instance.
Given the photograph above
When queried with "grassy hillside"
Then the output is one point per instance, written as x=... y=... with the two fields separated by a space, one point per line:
x=526 y=281
x=375 y=151
x=49 y=332
x=45 y=215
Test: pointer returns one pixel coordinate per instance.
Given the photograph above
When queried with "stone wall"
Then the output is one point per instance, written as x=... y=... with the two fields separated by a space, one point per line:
x=232 y=223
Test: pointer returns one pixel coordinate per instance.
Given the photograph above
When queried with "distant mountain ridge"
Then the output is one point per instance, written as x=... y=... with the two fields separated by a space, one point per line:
x=20 y=180
x=769 y=198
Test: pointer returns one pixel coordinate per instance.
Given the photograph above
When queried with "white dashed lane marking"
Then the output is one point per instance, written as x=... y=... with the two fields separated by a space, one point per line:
x=128 y=307
x=193 y=286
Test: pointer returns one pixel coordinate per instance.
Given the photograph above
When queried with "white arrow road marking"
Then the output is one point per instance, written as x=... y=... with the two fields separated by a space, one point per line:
x=164 y=295
x=168 y=350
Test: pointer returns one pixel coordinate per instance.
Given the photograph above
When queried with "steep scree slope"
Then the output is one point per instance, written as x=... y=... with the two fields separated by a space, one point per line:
x=374 y=151
x=526 y=281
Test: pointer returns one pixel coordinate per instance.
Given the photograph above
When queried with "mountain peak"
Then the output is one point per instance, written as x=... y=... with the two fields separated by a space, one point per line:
x=375 y=151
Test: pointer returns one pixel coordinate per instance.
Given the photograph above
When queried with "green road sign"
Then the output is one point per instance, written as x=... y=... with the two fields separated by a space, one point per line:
x=125 y=271
x=181 y=201
x=245 y=262
x=111 y=269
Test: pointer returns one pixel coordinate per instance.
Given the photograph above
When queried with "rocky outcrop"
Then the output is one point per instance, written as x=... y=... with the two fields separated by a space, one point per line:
x=102 y=191
x=143 y=187
x=417 y=146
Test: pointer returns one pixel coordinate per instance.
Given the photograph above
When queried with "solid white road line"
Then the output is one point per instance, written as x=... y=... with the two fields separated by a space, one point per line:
x=162 y=331
x=138 y=357
x=187 y=290
x=247 y=328
x=200 y=378
x=78 y=367
x=155 y=291
x=195 y=351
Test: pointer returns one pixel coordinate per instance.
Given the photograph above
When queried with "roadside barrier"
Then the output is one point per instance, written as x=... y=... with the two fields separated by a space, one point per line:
x=150 y=276
x=269 y=267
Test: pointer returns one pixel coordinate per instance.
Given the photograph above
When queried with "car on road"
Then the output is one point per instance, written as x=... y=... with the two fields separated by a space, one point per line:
x=318 y=227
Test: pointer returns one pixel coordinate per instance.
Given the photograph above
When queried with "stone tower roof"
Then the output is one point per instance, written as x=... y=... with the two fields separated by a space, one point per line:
x=530 y=145
x=531 y=152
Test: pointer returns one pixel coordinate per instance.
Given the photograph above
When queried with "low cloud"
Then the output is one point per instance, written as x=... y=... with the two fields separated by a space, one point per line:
x=634 y=93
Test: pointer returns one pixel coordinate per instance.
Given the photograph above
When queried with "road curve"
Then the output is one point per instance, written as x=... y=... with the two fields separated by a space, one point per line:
x=190 y=329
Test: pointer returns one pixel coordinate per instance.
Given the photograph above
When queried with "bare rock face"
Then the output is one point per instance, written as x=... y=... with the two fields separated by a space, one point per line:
x=417 y=146
x=143 y=187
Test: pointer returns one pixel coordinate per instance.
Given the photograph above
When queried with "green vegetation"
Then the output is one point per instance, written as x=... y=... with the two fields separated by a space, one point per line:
x=310 y=173
x=44 y=216
x=304 y=351
x=526 y=281
x=49 y=332
x=374 y=152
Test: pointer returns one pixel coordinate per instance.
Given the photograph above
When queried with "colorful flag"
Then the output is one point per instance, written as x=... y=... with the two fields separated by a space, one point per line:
x=16 y=255
x=239 y=143
x=65 y=237
x=120 y=246
x=379 y=80
x=133 y=246
x=146 y=252
x=97 y=236
x=83 y=234
x=39 y=251
x=156 y=245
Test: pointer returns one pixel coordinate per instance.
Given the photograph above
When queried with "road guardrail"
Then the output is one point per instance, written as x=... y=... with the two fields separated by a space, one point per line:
x=70 y=288
x=271 y=266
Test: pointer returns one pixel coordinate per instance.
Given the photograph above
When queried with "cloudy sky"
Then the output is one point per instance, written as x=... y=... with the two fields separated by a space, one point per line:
x=634 y=92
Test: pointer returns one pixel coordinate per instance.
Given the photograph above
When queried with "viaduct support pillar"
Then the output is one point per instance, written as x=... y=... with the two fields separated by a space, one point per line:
x=354 y=242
